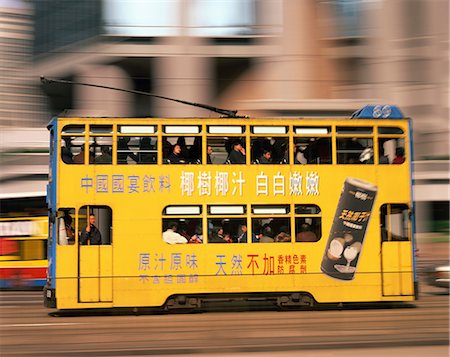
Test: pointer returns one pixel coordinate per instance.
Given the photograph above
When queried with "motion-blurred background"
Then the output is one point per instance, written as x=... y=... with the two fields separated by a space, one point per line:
x=263 y=57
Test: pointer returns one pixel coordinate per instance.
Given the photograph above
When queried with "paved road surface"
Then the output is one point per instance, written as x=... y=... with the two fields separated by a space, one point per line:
x=422 y=328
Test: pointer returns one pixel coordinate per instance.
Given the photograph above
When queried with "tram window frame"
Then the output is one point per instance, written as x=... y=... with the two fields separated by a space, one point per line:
x=304 y=136
x=312 y=215
x=184 y=215
x=388 y=211
x=263 y=216
x=100 y=149
x=73 y=139
x=388 y=146
x=230 y=218
x=63 y=233
x=103 y=221
x=354 y=145
x=277 y=145
x=222 y=145
x=130 y=151
x=188 y=154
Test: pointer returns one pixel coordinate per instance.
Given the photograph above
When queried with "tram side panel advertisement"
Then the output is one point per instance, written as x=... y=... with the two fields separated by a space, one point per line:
x=346 y=238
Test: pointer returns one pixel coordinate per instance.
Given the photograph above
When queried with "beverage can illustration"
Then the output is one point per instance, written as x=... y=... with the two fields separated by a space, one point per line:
x=348 y=230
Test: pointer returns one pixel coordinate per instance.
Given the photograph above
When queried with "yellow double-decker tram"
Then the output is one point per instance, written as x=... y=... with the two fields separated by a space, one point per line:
x=170 y=212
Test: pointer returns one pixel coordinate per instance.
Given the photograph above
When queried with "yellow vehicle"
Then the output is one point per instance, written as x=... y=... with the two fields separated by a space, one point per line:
x=23 y=241
x=170 y=212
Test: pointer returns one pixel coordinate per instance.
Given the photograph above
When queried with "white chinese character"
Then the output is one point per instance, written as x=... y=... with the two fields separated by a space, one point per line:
x=262 y=184
x=312 y=183
x=295 y=181
x=221 y=184
x=278 y=184
x=238 y=182
x=204 y=183
x=187 y=183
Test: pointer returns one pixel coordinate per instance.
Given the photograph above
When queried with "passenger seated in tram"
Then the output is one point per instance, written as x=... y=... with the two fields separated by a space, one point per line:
x=237 y=154
x=266 y=157
x=176 y=157
x=105 y=157
x=171 y=236
x=267 y=235
x=217 y=236
x=306 y=234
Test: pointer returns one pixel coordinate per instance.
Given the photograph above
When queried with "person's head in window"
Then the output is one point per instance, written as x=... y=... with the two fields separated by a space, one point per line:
x=237 y=155
x=209 y=151
x=176 y=157
x=266 y=157
x=173 y=226
x=237 y=146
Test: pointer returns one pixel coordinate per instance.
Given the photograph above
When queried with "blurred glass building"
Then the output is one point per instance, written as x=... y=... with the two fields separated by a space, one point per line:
x=263 y=57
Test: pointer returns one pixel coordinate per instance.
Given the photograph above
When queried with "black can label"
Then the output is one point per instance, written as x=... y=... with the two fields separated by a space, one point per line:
x=348 y=230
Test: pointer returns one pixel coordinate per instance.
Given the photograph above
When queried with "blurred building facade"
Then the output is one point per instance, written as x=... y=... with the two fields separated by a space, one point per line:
x=263 y=57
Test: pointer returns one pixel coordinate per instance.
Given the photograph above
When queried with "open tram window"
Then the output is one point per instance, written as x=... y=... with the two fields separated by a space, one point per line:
x=66 y=226
x=227 y=224
x=95 y=225
x=313 y=146
x=308 y=223
x=271 y=223
x=72 y=144
x=136 y=145
x=391 y=145
x=270 y=150
x=394 y=222
x=356 y=147
x=226 y=144
x=182 y=224
x=182 y=149
x=100 y=144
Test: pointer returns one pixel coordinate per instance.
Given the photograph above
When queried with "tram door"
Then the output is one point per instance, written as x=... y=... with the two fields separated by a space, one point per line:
x=95 y=254
x=396 y=251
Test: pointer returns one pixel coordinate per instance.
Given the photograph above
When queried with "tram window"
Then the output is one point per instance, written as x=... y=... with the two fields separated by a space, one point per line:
x=354 y=150
x=307 y=209
x=95 y=225
x=182 y=129
x=308 y=229
x=312 y=130
x=176 y=228
x=221 y=148
x=391 y=150
x=226 y=129
x=308 y=223
x=137 y=150
x=73 y=129
x=101 y=149
x=389 y=130
x=271 y=230
x=100 y=129
x=394 y=222
x=312 y=150
x=354 y=130
x=225 y=230
x=71 y=147
x=182 y=149
x=136 y=129
x=270 y=150
x=66 y=226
